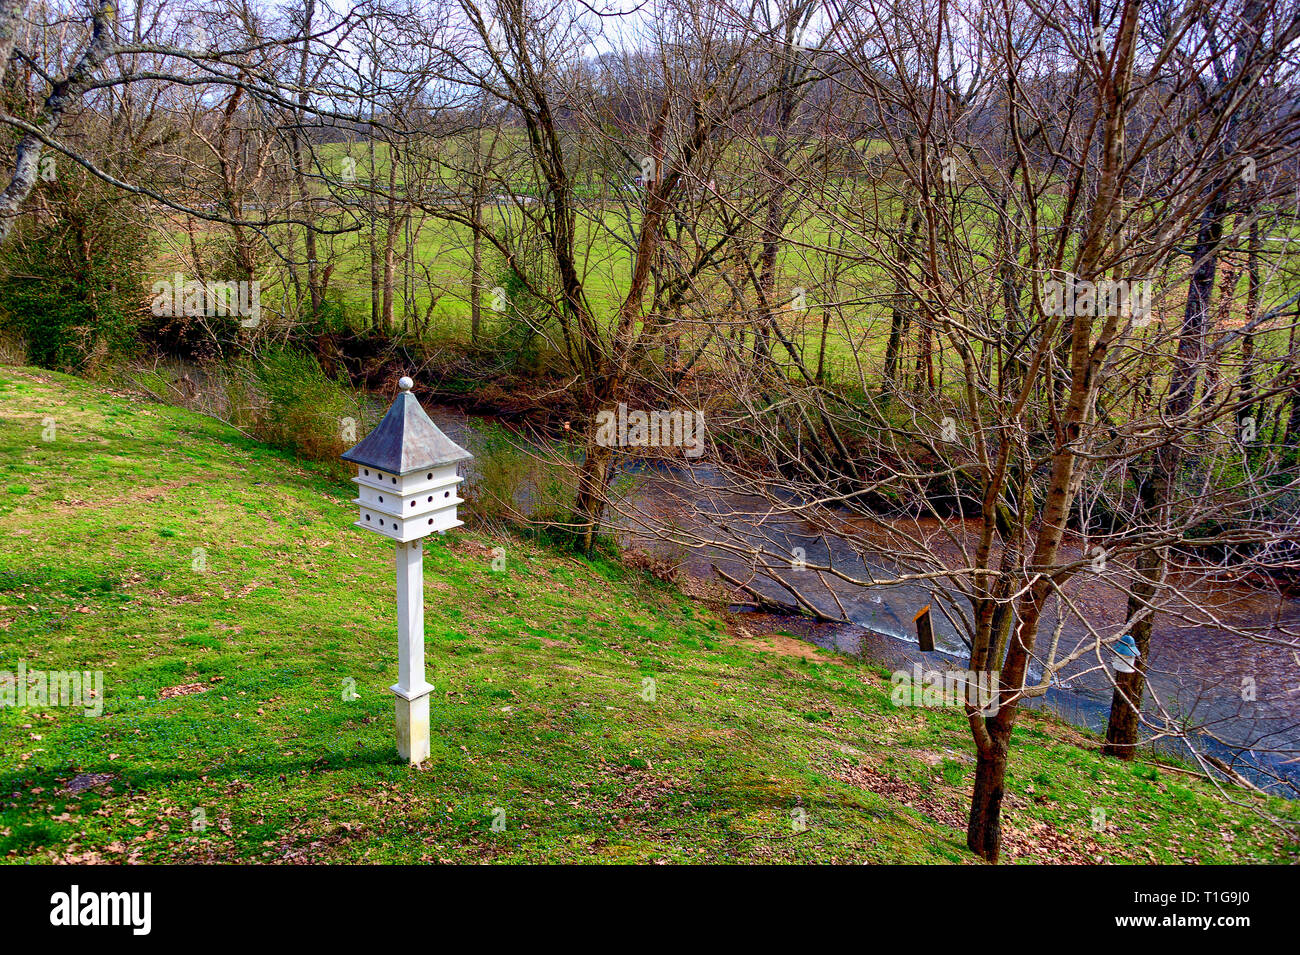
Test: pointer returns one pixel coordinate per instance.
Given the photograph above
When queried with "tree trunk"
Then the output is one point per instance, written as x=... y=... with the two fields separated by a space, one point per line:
x=1126 y=701
x=315 y=289
x=899 y=312
x=984 y=828
x=593 y=479
x=475 y=278
x=392 y=229
x=1159 y=489
x=390 y=278
x=925 y=356
x=1246 y=382
x=375 y=282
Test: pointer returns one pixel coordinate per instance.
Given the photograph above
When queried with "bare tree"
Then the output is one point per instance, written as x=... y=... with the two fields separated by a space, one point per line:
x=1048 y=217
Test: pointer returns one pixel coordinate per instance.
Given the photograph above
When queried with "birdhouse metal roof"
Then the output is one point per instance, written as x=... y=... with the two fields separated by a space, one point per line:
x=406 y=440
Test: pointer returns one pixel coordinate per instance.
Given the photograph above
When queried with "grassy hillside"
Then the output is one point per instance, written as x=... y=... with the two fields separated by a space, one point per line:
x=221 y=589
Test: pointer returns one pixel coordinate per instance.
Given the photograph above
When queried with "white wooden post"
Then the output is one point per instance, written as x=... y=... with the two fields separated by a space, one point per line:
x=411 y=690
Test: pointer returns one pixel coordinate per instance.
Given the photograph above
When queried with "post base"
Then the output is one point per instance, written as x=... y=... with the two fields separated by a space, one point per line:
x=413 y=729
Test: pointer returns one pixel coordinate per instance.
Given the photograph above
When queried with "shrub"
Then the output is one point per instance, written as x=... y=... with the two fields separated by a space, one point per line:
x=514 y=484
x=70 y=284
x=304 y=410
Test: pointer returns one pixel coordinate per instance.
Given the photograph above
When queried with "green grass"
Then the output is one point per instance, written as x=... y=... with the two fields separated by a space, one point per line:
x=168 y=550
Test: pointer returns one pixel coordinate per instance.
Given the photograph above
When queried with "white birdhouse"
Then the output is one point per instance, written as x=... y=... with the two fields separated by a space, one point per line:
x=406 y=476
x=406 y=473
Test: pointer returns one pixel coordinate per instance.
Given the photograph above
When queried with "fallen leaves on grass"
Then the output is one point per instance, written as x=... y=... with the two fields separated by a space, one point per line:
x=1041 y=843
x=84 y=781
x=185 y=689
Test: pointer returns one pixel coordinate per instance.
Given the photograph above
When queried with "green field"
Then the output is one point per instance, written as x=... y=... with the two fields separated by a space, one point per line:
x=832 y=249
x=220 y=588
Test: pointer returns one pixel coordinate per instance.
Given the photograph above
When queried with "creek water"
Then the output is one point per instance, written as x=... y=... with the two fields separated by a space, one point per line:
x=1198 y=673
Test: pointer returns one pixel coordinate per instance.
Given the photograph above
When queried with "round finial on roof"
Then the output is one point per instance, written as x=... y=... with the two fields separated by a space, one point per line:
x=405 y=384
